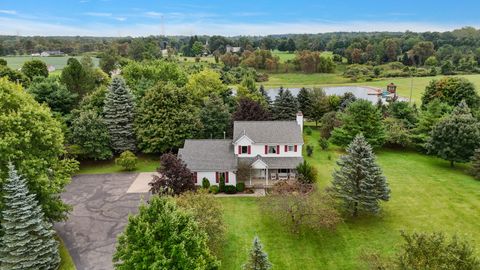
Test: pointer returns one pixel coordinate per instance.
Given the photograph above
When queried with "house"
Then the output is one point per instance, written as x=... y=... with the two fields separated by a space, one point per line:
x=231 y=49
x=51 y=53
x=272 y=149
x=51 y=68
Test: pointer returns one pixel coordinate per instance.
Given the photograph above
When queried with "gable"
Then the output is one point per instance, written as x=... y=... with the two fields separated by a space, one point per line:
x=259 y=164
x=243 y=140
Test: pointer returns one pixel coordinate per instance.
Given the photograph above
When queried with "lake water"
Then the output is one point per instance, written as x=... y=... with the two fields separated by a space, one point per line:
x=360 y=92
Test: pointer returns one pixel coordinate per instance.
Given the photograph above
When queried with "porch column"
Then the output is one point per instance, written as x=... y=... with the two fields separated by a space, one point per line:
x=250 y=176
x=266 y=175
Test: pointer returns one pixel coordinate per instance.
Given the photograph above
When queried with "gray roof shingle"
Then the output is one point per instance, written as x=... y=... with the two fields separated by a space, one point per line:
x=208 y=155
x=268 y=131
x=276 y=162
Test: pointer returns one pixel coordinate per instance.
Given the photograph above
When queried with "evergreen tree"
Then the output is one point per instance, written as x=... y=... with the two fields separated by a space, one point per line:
x=360 y=117
x=427 y=120
x=258 y=259
x=359 y=181
x=76 y=78
x=456 y=137
x=215 y=118
x=162 y=236
x=475 y=169
x=34 y=68
x=265 y=94
x=285 y=106
x=28 y=241
x=118 y=115
x=304 y=101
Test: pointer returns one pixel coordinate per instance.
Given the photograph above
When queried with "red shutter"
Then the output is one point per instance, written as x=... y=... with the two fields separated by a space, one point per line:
x=216 y=177
x=278 y=149
x=239 y=149
x=295 y=148
x=286 y=148
x=266 y=149
x=226 y=176
x=249 y=150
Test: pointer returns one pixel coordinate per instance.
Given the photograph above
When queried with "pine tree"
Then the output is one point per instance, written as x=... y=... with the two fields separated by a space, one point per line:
x=28 y=241
x=285 y=106
x=456 y=137
x=265 y=94
x=475 y=169
x=118 y=115
x=258 y=259
x=359 y=181
x=304 y=101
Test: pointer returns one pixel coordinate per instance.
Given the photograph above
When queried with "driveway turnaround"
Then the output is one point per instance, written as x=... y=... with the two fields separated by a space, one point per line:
x=101 y=206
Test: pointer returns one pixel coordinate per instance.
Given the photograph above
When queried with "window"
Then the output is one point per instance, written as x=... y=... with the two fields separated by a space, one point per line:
x=244 y=150
x=291 y=148
x=272 y=149
x=283 y=170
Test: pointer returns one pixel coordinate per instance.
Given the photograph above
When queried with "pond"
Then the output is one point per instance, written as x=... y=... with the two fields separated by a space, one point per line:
x=361 y=92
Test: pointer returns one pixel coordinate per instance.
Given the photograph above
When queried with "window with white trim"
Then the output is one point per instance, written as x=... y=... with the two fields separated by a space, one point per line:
x=272 y=149
x=244 y=149
x=291 y=148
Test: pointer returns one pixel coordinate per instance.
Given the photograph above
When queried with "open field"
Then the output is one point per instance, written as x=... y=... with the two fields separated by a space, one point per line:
x=427 y=195
x=146 y=163
x=59 y=62
x=295 y=80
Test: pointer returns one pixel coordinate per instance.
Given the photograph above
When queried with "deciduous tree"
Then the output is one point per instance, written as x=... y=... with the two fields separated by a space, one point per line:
x=174 y=176
x=164 y=237
x=90 y=134
x=451 y=90
x=35 y=68
x=250 y=110
x=32 y=140
x=215 y=118
x=166 y=116
x=360 y=117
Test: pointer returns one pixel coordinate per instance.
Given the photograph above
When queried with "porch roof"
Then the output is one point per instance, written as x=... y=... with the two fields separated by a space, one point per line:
x=275 y=162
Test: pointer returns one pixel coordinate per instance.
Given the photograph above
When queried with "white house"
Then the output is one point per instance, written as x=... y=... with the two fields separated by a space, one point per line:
x=231 y=49
x=273 y=149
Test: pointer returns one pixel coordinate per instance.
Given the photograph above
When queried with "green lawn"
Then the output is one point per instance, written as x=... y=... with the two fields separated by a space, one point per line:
x=59 y=62
x=427 y=195
x=295 y=80
x=146 y=163
x=67 y=262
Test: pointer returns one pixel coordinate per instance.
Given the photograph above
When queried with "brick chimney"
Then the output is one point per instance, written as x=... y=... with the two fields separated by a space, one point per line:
x=300 y=120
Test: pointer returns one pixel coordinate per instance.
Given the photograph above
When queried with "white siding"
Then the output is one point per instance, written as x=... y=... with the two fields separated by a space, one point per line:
x=232 y=178
x=259 y=149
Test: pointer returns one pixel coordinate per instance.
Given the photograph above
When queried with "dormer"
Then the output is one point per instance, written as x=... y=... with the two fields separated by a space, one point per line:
x=243 y=145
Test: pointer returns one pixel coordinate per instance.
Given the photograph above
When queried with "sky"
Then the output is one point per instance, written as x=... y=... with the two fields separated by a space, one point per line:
x=230 y=18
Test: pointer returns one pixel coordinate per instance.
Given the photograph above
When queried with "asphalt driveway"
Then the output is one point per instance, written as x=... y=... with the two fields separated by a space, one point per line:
x=101 y=206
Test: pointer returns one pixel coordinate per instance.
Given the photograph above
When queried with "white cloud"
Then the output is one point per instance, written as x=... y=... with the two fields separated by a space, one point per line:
x=36 y=27
x=153 y=14
x=8 y=11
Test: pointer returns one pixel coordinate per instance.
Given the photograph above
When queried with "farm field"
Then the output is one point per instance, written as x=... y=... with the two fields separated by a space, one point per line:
x=295 y=80
x=427 y=195
x=59 y=62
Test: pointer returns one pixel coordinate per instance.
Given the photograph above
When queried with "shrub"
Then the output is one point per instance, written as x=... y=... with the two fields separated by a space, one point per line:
x=127 y=160
x=230 y=189
x=240 y=187
x=214 y=189
x=307 y=174
x=205 y=183
x=323 y=143
x=222 y=184
x=308 y=131
x=309 y=150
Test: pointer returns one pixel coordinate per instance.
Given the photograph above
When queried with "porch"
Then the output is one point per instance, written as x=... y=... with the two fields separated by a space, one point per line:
x=263 y=178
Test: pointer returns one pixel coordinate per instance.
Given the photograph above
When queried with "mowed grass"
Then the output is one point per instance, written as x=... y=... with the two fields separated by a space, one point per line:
x=66 y=262
x=427 y=195
x=296 y=80
x=146 y=163
x=59 y=62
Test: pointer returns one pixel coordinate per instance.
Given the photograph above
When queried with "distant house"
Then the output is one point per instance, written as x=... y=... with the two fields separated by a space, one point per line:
x=35 y=54
x=52 y=53
x=232 y=49
x=273 y=150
